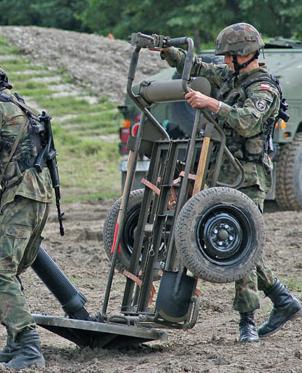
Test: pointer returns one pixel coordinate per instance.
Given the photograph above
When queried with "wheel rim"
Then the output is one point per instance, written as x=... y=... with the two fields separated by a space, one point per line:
x=224 y=234
x=129 y=231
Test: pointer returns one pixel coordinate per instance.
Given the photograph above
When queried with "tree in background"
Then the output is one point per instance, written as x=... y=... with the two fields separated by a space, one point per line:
x=62 y=14
x=201 y=19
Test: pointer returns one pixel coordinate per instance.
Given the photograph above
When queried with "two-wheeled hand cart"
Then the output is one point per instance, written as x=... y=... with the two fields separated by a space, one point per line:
x=183 y=225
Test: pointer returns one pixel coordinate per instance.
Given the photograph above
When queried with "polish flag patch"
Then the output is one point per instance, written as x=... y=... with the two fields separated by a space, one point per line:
x=265 y=87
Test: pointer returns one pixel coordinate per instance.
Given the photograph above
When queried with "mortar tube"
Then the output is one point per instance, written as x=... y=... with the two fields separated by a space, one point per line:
x=70 y=298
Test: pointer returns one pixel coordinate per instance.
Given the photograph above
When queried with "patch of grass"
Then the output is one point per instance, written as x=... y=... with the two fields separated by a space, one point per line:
x=19 y=64
x=88 y=166
x=34 y=92
x=95 y=129
x=19 y=77
x=94 y=117
x=7 y=48
x=294 y=284
x=29 y=84
x=88 y=172
x=65 y=105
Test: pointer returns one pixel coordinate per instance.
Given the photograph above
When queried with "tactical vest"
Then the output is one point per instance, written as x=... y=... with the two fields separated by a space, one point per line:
x=254 y=148
x=18 y=154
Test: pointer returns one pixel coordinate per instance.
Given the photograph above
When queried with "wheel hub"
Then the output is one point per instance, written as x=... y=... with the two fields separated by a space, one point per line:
x=222 y=236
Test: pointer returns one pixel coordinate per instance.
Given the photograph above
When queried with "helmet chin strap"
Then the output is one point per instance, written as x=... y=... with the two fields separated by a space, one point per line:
x=239 y=66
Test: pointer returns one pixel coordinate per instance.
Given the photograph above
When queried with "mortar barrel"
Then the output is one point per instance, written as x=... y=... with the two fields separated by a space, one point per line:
x=171 y=90
x=67 y=294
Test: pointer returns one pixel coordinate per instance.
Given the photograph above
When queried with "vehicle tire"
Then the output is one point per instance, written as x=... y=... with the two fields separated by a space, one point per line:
x=219 y=234
x=126 y=245
x=289 y=175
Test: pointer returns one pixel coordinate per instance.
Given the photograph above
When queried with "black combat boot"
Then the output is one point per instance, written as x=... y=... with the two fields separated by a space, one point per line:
x=9 y=350
x=247 y=327
x=29 y=353
x=286 y=307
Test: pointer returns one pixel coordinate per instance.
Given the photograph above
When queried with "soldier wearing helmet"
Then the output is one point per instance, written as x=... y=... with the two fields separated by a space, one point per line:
x=25 y=197
x=246 y=107
x=240 y=39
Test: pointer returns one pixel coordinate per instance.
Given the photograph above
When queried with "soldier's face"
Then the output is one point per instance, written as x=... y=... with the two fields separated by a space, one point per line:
x=228 y=60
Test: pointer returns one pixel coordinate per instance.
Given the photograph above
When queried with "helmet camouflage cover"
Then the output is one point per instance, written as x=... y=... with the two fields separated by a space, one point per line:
x=238 y=39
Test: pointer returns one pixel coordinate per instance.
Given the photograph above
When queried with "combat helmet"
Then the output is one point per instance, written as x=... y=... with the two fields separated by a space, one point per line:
x=238 y=39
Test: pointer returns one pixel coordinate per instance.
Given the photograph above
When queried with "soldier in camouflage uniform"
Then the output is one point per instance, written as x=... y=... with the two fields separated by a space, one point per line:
x=25 y=198
x=246 y=107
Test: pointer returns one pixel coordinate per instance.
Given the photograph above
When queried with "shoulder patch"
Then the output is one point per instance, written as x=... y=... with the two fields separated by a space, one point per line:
x=266 y=87
x=261 y=105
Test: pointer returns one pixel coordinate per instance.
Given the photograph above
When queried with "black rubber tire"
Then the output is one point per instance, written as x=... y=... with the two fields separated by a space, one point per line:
x=200 y=253
x=289 y=175
x=134 y=204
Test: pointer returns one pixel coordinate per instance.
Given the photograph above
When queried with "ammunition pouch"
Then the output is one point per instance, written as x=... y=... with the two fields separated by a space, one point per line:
x=13 y=175
x=254 y=149
x=250 y=149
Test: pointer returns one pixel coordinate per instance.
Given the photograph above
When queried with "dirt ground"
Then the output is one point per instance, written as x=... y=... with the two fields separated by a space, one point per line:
x=211 y=346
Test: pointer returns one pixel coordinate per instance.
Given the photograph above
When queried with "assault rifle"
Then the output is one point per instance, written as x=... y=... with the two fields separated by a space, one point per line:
x=47 y=155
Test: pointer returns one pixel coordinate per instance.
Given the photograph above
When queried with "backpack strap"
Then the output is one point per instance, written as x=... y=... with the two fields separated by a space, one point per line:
x=263 y=78
x=18 y=100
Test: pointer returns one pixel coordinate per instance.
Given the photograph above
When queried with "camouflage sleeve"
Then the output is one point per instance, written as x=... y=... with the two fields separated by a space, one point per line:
x=216 y=74
x=260 y=104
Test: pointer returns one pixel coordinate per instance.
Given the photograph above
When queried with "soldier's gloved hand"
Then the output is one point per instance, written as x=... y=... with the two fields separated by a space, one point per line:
x=172 y=55
x=164 y=52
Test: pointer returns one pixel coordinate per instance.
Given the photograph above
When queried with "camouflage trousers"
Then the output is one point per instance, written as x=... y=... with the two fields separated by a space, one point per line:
x=261 y=278
x=21 y=225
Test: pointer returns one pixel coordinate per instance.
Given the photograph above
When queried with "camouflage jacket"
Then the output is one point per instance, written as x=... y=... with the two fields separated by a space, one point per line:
x=243 y=114
x=20 y=178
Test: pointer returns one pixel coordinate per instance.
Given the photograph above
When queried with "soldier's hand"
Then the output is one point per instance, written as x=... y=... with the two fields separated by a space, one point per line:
x=200 y=101
x=196 y=99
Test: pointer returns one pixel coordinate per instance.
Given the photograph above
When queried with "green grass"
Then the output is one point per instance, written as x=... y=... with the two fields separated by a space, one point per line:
x=20 y=64
x=19 y=77
x=7 y=48
x=29 y=84
x=294 y=284
x=88 y=166
x=87 y=170
x=34 y=93
x=94 y=117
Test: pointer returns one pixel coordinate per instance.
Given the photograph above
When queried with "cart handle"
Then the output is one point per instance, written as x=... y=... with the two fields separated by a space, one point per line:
x=140 y=40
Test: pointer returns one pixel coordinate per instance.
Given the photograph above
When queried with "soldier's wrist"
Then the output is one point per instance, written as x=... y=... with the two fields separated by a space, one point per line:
x=219 y=104
x=224 y=110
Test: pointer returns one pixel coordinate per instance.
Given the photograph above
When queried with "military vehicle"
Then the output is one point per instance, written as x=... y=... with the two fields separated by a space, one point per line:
x=284 y=60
